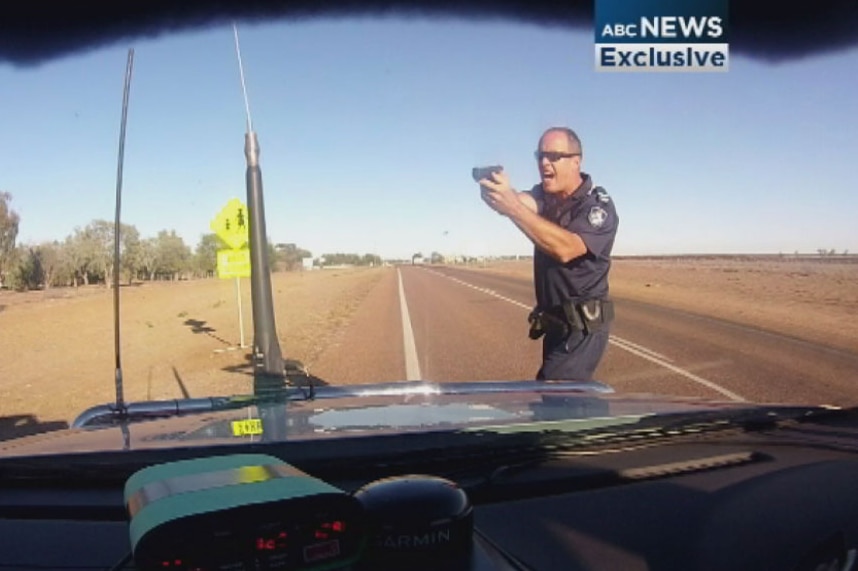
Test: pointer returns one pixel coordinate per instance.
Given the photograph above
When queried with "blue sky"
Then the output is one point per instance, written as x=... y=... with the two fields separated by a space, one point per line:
x=369 y=129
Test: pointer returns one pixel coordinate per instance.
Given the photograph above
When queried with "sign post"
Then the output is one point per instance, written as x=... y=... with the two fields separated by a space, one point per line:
x=230 y=225
x=240 y=318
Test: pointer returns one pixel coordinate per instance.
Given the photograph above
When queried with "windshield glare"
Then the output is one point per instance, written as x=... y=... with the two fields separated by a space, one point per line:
x=673 y=241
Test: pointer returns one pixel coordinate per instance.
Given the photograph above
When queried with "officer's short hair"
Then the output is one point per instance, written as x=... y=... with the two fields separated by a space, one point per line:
x=574 y=141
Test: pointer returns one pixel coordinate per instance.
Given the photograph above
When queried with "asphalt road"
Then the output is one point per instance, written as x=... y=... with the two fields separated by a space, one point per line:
x=442 y=323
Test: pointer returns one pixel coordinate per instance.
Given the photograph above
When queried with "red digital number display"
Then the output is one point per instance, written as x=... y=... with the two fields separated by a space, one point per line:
x=271 y=543
x=337 y=525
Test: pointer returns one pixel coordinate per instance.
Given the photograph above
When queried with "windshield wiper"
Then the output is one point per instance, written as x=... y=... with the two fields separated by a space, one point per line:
x=750 y=417
x=660 y=426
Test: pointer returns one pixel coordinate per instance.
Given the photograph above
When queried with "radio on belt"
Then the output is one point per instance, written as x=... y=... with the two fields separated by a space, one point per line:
x=237 y=512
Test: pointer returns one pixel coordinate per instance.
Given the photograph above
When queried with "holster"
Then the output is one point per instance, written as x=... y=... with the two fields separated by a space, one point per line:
x=587 y=316
x=542 y=322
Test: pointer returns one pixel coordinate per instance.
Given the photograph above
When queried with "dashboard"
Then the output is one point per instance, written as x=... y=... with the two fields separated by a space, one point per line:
x=779 y=499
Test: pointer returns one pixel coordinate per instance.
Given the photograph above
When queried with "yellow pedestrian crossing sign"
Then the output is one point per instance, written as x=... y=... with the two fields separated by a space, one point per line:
x=233 y=263
x=231 y=224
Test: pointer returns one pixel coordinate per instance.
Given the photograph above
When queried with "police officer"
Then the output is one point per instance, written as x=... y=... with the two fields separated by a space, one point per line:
x=572 y=224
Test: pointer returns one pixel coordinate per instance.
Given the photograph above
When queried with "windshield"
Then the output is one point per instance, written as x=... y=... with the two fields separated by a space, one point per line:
x=660 y=237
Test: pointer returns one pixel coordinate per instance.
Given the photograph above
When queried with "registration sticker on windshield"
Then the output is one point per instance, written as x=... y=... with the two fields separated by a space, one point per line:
x=249 y=427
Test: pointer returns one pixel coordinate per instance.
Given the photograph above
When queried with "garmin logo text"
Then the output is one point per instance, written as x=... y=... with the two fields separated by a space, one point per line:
x=662 y=35
x=414 y=541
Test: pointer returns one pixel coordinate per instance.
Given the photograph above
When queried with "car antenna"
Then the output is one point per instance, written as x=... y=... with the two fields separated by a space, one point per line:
x=120 y=399
x=268 y=363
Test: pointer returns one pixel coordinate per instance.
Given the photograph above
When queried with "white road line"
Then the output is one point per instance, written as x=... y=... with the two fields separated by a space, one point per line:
x=633 y=348
x=412 y=365
x=484 y=290
x=679 y=371
x=643 y=349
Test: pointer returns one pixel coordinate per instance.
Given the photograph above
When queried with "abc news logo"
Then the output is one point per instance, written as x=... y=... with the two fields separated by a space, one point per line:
x=663 y=43
x=668 y=27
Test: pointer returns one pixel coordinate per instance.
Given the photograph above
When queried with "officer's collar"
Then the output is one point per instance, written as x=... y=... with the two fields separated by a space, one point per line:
x=584 y=189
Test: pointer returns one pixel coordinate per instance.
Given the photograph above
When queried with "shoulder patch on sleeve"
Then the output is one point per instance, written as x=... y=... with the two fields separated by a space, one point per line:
x=597 y=216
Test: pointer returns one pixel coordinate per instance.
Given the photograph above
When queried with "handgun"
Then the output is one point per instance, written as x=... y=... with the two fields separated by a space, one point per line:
x=479 y=173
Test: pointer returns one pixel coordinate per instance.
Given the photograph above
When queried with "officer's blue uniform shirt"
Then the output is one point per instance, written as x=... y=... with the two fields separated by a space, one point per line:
x=589 y=212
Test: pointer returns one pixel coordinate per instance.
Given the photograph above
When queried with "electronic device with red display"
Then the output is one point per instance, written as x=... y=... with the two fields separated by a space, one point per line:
x=247 y=511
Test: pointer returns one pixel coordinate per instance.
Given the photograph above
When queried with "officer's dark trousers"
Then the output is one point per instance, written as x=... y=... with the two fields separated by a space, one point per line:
x=572 y=358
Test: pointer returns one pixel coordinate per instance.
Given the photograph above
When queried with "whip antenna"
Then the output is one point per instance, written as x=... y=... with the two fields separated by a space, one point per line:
x=268 y=360
x=120 y=400
x=243 y=84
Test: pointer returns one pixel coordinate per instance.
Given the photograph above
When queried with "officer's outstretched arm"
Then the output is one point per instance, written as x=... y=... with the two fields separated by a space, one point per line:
x=527 y=199
x=557 y=242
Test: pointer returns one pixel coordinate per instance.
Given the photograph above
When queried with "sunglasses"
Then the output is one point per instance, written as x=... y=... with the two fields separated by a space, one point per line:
x=553 y=156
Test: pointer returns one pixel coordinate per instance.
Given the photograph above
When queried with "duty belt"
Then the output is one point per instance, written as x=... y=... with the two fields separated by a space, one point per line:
x=587 y=316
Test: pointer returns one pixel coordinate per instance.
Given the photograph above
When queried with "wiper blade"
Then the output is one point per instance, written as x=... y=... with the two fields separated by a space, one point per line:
x=653 y=428
x=111 y=414
x=756 y=417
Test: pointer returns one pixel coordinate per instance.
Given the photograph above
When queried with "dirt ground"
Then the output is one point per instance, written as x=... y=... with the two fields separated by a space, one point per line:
x=177 y=339
x=183 y=338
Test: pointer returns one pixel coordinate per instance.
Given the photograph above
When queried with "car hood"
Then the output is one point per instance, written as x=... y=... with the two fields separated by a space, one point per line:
x=388 y=410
